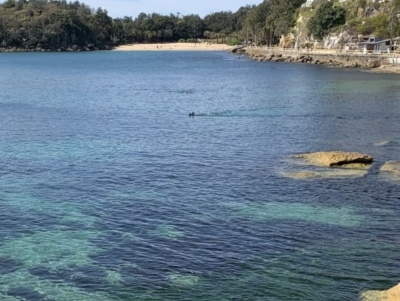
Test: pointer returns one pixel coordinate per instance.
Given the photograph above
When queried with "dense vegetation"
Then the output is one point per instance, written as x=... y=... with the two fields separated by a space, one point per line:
x=325 y=18
x=380 y=19
x=57 y=24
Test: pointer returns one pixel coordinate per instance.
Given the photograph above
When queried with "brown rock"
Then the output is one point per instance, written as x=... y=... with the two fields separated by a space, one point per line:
x=374 y=63
x=336 y=158
x=392 y=294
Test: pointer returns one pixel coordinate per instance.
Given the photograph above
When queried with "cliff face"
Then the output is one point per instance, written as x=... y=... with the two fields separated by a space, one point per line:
x=363 y=18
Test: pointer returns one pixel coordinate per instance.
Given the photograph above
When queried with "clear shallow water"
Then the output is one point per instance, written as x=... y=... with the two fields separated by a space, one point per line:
x=111 y=192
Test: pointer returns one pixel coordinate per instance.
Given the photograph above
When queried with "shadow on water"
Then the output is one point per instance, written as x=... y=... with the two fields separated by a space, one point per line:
x=9 y=265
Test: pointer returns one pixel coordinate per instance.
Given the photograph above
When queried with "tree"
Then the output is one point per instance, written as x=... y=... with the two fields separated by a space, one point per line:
x=282 y=28
x=326 y=17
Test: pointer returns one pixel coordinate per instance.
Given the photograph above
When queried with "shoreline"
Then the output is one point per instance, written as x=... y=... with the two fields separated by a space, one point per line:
x=372 y=63
x=129 y=47
x=174 y=47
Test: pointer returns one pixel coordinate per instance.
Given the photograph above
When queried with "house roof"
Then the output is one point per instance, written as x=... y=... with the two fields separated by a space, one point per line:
x=377 y=42
x=396 y=39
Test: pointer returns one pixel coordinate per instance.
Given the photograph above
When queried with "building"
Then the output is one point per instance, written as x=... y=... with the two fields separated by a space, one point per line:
x=376 y=45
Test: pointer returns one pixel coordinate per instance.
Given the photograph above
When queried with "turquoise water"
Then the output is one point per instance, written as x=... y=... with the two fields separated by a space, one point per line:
x=109 y=191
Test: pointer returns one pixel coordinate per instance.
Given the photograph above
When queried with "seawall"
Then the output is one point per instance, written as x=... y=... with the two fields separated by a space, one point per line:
x=332 y=59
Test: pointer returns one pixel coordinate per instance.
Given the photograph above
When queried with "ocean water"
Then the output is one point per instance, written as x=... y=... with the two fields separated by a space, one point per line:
x=110 y=191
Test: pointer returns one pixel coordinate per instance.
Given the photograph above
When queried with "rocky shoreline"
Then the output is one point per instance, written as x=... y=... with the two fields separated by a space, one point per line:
x=335 y=60
x=372 y=62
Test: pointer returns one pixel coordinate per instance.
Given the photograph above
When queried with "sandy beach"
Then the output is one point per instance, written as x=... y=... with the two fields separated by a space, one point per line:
x=174 y=47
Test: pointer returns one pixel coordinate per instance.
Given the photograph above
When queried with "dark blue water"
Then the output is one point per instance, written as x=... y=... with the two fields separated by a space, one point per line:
x=109 y=191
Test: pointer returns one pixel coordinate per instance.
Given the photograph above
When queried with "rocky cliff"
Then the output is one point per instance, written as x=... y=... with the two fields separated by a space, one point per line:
x=363 y=18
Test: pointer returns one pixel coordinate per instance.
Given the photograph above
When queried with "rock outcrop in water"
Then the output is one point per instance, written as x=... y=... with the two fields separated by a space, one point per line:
x=391 y=170
x=337 y=158
x=391 y=166
x=349 y=165
x=392 y=294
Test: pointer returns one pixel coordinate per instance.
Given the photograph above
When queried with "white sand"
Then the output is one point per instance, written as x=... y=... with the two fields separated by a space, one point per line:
x=174 y=47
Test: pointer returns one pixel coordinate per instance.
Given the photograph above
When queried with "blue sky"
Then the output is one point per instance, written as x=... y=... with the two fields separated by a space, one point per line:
x=120 y=8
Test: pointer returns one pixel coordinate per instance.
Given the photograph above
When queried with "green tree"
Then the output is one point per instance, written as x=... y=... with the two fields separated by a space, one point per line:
x=326 y=17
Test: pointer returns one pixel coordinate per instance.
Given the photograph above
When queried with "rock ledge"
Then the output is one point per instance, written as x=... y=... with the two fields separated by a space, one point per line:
x=391 y=166
x=392 y=294
x=336 y=158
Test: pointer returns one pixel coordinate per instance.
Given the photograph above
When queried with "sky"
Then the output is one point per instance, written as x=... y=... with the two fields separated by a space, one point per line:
x=121 y=8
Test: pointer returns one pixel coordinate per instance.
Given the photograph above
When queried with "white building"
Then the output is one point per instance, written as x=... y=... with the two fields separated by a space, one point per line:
x=376 y=45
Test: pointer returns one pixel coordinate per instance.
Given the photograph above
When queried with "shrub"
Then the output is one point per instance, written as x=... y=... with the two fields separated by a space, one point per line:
x=182 y=41
x=233 y=42
x=379 y=25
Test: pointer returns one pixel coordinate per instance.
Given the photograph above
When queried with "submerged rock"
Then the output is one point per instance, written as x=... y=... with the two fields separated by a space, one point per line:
x=303 y=174
x=392 y=294
x=391 y=166
x=326 y=174
x=391 y=171
x=338 y=158
x=183 y=281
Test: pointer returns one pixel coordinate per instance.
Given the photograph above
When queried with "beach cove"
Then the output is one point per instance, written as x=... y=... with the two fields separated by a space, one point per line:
x=111 y=192
x=174 y=47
